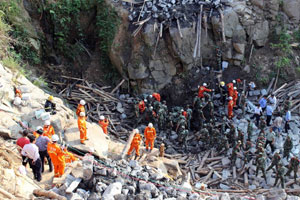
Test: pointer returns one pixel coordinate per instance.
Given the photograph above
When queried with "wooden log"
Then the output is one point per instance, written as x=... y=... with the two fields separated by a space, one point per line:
x=278 y=90
x=192 y=171
x=73 y=78
x=7 y=194
x=48 y=194
x=179 y=29
x=99 y=93
x=234 y=172
x=251 y=51
x=141 y=11
x=217 y=174
x=87 y=94
x=117 y=87
x=203 y=160
x=126 y=148
x=293 y=109
x=278 y=71
x=208 y=175
x=246 y=181
x=213 y=159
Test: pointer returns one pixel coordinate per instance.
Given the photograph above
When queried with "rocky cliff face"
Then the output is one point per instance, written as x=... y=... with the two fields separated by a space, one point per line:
x=245 y=23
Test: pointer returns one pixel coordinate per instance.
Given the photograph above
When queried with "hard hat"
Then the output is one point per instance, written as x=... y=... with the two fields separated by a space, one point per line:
x=102 y=117
x=82 y=102
x=55 y=138
x=82 y=114
x=91 y=149
x=136 y=130
x=234 y=81
x=50 y=98
x=150 y=96
x=234 y=88
x=222 y=83
x=239 y=142
x=204 y=84
x=47 y=123
x=181 y=110
x=198 y=87
x=230 y=98
x=39 y=128
x=145 y=100
x=151 y=108
x=150 y=125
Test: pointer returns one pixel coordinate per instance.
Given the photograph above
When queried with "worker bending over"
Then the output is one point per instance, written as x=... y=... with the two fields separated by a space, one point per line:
x=103 y=124
x=50 y=106
x=203 y=89
x=69 y=157
x=135 y=143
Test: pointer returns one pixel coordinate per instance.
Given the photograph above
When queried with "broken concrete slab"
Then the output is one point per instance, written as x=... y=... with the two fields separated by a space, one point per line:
x=97 y=139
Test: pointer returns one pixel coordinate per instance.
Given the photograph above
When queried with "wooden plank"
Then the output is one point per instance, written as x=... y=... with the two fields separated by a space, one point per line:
x=208 y=175
x=117 y=87
x=246 y=181
x=179 y=29
x=87 y=94
x=126 y=148
x=203 y=160
x=73 y=185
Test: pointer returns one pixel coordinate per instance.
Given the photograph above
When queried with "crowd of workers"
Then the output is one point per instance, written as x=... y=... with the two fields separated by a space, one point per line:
x=198 y=125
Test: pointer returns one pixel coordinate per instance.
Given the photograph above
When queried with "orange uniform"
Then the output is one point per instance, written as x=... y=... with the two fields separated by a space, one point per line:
x=230 y=108
x=230 y=89
x=36 y=135
x=235 y=97
x=150 y=135
x=156 y=96
x=58 y=159
x=103 y=124
x=184 y=113
x=48 y=131
x=142 y=106
x=82 y=128
x=69 y=157
x=18 y=93
x=201 y=91
x=135 y=144
x=80 y=108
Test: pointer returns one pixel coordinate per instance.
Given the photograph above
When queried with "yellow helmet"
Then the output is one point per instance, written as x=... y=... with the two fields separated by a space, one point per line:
x=222 y=83
x=50 y=98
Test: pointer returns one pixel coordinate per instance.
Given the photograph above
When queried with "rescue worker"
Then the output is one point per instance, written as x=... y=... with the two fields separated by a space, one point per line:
x=135 y=144
x=243 y=103
x=103 y=124
x=211 y=107
x=82 y=127
x=189 y=116
x=203 y=89
x=80 y=107
x=261 y=165
x=275 y=161
x=280 y=175
x=69 y=157
x=230 y=108
x=39 y=131
x=247 y=152
x=230 y=88
x=156 y=96
x=235 y=96
x=293 y=166
x=57 y=156
x=142 y=106
x=150 y=135
x=287 y=147
x=48 y=129
x=50 y=106
x=250 y=129
x=18 y=92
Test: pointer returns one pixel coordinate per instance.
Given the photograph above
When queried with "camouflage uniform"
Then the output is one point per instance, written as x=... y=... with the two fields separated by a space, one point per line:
x=243 y=103
x=182 y=135
x=219 y=58
x=247 y=151
x=231 y=136
x=287 y=147
x=214 y=137
x=205 y=135
x=161 y=119
x=211 y=108
x=263 y=124
x=223 y=142
x=261 y=165
x=241 y=137
x=235 y=152
x=250 y=129
x=280 y=175
x=275 y=161
x=189 y=117
x=293 y=166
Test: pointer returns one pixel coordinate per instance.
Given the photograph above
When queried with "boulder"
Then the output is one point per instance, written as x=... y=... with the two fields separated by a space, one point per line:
x=292 y=197
x=258 y=3
x=225 y=196
x=97 y=139
x=240 y=48
x=112 y=190
x=260 y=33
x=291 y=9
x=276 y=194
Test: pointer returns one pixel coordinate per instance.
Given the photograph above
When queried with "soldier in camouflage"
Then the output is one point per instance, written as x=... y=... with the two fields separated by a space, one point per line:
x=250 y=129
x=287 y=147
x=275 y=161
x=293 y=166
x=280 y=175
x=263 y=124
x=247 y=153
x=261 y=165
x=189 y=116
x=240 y=136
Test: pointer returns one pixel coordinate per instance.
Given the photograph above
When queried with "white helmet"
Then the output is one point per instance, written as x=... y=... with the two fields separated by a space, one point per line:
x=234 y=81
x=47 y=123
x=204 y=84
x=181 y=110
x=230 y=98
x=91 y=149
x=55 y=138
x=82 y=102
x=150 y=96
x=234 y=88
x=145 y=100
x=150 y=125
x=39 y=128
x=82 y=114
x=136 y=130
x=198 y=86
x=102 y=117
